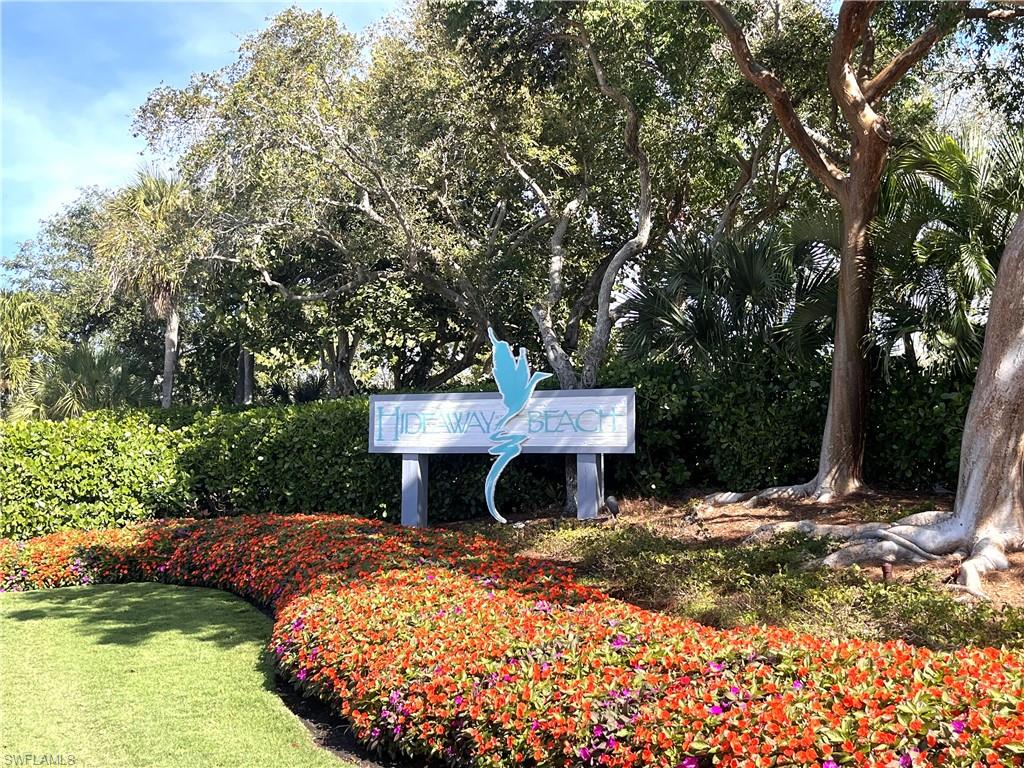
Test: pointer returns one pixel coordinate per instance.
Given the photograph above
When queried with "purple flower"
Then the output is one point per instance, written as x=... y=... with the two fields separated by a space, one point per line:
x=798 y=684
x=534 y=725
x=906 y=760
x=584 y=753
x=620 y=641
x=458 y=701
x=689 y=762
x=830 y=764
x=598 y=731
x=716 y=709
x=957 y=726
x=715 y=666
x=302 y=674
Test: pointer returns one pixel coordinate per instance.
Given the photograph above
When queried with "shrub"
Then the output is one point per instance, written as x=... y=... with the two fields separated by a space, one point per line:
x=107 y=469
x=94 y=471
x=438 y=645
x=743 y=425
x=916 y=423
x=764 y=416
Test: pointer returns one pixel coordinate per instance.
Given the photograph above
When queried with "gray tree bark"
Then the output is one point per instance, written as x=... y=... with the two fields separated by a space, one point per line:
x=170 y=355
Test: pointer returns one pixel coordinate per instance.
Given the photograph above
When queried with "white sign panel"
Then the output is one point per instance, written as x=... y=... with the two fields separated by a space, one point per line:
x=561 y=421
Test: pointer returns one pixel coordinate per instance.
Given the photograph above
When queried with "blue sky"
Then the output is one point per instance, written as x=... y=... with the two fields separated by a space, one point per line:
x=73 y=73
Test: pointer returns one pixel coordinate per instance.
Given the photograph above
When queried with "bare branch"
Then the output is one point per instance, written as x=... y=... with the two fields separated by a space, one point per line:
x=748 y=173
x=518 y=167
x=558 y=249
x=875 y=88
x=598 y=345
x=854 y=18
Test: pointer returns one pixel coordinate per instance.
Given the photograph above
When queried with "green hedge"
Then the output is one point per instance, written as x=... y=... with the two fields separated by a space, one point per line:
x=314 y=458
x=744 y=425
x=95 y=471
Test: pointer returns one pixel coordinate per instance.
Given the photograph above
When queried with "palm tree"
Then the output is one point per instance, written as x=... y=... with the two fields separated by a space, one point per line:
x=947 y=208
x=710 y=299
x=26 y=331
x=146 y=245
x=82 y=379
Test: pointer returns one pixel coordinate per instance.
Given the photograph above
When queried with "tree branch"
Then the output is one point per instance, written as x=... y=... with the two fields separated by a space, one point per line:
x=362 y=278
x=598 y=345
x=823 y=169
x=879 y=85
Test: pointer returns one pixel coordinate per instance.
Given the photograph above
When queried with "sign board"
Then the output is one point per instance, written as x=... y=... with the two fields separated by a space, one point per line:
x=515 y=419
x=561 y=421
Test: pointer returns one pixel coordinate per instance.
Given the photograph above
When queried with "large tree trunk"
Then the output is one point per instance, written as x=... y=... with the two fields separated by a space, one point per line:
x=840 y=463
x=988 y=518
x=170 y=355
x=338 y=356
x=990 y=494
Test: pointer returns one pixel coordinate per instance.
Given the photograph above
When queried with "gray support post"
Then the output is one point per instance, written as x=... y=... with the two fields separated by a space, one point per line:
x=414 y=490
x=588 y=481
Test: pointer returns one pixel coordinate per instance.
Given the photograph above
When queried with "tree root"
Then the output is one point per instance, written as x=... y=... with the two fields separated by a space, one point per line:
x=781 y=492
x=913 y=540
x=813 y=490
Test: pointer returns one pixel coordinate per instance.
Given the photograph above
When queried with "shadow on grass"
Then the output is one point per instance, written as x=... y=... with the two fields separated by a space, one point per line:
x=131 y=614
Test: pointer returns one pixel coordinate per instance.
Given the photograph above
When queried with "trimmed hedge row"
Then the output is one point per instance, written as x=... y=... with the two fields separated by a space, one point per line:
x=446 y=647
x=745 y=425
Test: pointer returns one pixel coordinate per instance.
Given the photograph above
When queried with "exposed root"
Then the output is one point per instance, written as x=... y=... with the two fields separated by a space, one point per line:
x=812 y=491
x=920 y=538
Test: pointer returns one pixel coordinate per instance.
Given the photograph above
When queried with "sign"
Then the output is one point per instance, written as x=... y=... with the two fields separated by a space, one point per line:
x=513 y=420
x=560 y=421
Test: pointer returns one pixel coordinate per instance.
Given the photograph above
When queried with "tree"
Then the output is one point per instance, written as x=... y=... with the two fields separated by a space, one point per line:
x=26 y=331
x=713 y=299
x=147 y=243
x=853 y=178
x=987 y=520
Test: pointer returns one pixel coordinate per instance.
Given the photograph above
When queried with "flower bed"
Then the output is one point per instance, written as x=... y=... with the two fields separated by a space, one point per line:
x=436 y=644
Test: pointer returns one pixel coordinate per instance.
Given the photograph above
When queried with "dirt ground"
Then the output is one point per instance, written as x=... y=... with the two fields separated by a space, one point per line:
x=732 y=523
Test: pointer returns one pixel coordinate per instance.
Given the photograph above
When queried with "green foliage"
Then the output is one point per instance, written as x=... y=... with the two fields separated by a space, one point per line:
x=764 y=417
x=915 y=426
x=107 y=469
x=743 y=425
x=670 y=453
x=95 y=471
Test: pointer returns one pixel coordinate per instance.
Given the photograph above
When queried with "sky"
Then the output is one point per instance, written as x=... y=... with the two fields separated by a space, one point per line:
x=74 y=72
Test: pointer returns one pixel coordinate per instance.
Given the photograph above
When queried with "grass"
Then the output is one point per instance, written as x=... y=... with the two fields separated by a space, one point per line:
x=729 y=585
x=143 y=675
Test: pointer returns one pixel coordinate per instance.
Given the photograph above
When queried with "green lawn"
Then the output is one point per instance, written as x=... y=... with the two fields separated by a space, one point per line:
x=143 y=675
